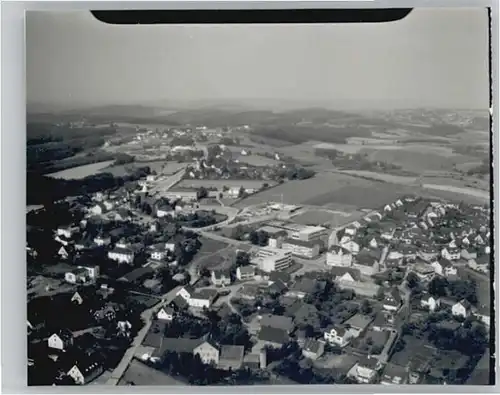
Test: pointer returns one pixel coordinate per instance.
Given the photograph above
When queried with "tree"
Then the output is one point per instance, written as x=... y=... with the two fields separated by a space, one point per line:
x=262 y=238
x=202 y=193
x=366 y=307
x=463 y=289
x=254 y=237
x=437 y=286
x=412 y=280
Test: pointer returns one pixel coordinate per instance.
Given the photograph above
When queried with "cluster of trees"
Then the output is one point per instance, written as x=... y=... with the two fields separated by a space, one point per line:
x=294 y=173
x=200 y=219
x=259 y=238
x=45 y=190
x=458 y=289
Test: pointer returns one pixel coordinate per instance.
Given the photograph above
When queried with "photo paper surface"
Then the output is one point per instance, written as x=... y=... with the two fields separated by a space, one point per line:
x=259 y=204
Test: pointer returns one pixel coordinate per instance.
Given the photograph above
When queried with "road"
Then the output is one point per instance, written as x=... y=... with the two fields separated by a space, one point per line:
x=147 y=316
x=384 y=355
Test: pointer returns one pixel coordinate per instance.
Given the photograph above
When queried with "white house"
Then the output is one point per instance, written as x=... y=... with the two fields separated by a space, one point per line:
x=165 y=314
x=392 y=300
x=350 y=230
x=430 y=302
x=337 y=335
x=102 y=240
x=462 y=308
x=121 y=254
x=483 y=315
x=61 y=340
x=163 y=211
x=84 y=373
x=468 y=253
x=202 y=298
x=79 y=275
x=365 y=370
x=92 y=271
x=77 y=298
x=245 y=272
x=338 y=256
x=351 y=246
x=66 y=231
x=450 y=253
x=63 y=253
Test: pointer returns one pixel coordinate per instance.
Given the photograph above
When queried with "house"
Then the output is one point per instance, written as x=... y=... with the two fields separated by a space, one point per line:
x=365 y=370
x=357 y=324
x=305 y=249
x=63 y=253
x=274 y=337
x=107 y=312
x=245 y=272
x=159 y=252
x=350 y=245
x=430 y=302
x=98 y=209
x=277 y=322
x=231 y=357
x=462 y=308
x=451 y=253
x=92 y=271
x=277 y=287
x=408 y=252
x=350 y=230
x=479 y=240
x=338 y=256
x=468 y=253
x=102 y=240
x=313 y=349
x=123 y=328
x=76 y=276
x=164 y=210
x=394 y=375
x=392 y=300
x=345 y=274
x=220 y=278
x=393 y=262
x=483 y=314
x=448 y=269
x=121 y=254
x=337 y=335
x=66 y=231
x=61 y=340
x=202 y=298
x=122 y=214
x=304 y=286
x=424 y=271
x=368 y=261
x=208 y=353
x=86 y=369
x=375 y=242
x=428 y=252
x=383 y=321
x=165 y=314
x=481 y=263
x=77 y=298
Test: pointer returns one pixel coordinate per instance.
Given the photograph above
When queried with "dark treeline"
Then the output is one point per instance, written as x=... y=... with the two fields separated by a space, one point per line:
x=44 y=190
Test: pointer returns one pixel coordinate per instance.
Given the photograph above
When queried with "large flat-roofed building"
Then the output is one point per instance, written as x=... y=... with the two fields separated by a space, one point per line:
x=186 y=194
x=300 y=232
x=272 y=259
x=305 y=249
x=276 y=235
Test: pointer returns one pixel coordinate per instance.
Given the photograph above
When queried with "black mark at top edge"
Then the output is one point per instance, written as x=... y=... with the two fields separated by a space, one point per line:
x=129 y=17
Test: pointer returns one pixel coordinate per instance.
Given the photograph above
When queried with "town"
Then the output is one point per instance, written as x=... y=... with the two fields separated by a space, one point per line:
x=175 y=276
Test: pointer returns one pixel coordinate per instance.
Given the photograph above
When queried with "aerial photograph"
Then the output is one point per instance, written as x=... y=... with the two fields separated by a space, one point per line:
x=259 y=204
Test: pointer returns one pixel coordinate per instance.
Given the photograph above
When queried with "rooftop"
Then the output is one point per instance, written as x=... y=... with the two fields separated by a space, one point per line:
x=232 y=352
x=358 y=321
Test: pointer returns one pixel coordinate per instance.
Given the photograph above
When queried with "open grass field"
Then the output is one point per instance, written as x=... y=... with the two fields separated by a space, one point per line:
x=219 y=184
x=320 y=217
x=306 y=191
x=257 y=160
x=76 y=173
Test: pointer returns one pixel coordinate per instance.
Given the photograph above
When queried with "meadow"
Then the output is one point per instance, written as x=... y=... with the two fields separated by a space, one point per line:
x=77 y=173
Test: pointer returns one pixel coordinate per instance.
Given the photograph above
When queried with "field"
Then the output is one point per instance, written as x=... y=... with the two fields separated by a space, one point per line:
x=80 y=172
x=163 y=167
x=417 y=352
x=140 y=374
x=219 y=184
x=307 y=191
x=320 y=217
x=257 y=160
x=483 y=284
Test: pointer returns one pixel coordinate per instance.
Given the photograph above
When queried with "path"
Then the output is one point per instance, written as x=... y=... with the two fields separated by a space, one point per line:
x=147 y=317
x=384 y=355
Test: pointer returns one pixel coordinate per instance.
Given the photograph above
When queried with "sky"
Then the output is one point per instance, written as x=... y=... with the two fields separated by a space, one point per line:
x=432 y=58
